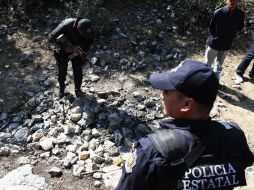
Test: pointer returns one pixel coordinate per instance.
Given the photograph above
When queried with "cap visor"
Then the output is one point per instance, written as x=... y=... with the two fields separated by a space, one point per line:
x=161 y=81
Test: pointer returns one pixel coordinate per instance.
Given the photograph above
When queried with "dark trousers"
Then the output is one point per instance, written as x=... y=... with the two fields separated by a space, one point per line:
x=62 y=60
x=246 y=61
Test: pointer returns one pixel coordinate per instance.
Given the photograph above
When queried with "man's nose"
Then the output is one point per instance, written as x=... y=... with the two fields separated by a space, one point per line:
x=161 y=95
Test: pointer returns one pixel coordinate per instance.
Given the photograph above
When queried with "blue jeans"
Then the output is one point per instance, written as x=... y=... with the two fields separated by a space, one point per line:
x=246 y=61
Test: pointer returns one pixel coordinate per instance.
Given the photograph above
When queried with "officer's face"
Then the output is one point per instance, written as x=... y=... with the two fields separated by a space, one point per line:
x=172 y=102
x=232 y=4
x=86 y=34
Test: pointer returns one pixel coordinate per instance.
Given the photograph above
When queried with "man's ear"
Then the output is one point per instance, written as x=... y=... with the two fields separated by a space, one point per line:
x=188 y=104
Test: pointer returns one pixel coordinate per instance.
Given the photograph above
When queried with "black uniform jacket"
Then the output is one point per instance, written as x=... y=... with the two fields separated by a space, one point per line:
x=68 y=27
x=221 y=166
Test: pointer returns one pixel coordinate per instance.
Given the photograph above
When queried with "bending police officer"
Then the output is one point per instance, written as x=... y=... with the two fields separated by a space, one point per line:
x=73 y=36
x=189 y=151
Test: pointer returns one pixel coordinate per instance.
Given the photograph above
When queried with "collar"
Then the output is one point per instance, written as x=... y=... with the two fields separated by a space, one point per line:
x=185 y=124
x=225 y=9
x=75 y=25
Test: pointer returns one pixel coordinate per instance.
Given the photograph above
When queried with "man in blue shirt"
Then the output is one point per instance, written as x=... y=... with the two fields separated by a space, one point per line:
x=245 y=63
x=188 y=151
x=224 y=25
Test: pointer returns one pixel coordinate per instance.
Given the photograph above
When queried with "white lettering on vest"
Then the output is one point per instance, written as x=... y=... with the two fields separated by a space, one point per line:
x=227 y=181
x=203 y=181
x=207 y=173
x=234 y=180
x=196 y=172
x=216 y=170
x=231 y=169
x=219 y=180
x=186 y=184
x=210 y=177
x=224 y=169
x=211 y=184
x=195 y=184
x=187 y=173
x=212 y=172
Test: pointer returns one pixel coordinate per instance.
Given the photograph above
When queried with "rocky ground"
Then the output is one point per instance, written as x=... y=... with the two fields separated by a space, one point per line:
x=81 y=143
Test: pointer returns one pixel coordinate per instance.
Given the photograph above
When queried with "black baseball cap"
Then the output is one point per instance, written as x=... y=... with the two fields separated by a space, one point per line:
x=84 y=25
x=192 y=78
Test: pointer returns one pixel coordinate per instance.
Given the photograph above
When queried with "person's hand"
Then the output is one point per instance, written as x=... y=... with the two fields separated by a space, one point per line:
x=68 y=50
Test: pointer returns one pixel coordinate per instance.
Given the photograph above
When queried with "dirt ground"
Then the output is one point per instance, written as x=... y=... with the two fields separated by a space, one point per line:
x=234 y=104
x=66 y=182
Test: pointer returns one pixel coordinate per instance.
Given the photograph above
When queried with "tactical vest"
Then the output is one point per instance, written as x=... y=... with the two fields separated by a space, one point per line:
x=201 y=168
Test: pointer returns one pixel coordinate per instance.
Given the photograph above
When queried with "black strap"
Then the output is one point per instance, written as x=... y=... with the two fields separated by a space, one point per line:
x=168 y=144
x=194 y=154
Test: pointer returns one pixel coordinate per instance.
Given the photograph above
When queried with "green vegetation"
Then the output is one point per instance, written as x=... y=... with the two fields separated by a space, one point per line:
x=100 y=10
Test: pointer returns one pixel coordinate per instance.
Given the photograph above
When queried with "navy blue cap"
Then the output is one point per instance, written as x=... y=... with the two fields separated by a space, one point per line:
x=85 y=25
x=193 y=78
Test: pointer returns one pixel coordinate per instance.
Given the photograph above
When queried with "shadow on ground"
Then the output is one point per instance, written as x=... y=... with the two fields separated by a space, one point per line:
x=235 y=97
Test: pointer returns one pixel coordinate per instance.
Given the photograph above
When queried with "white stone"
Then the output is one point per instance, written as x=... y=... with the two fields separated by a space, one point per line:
x=112 y=176
x=71 y=148
x=90 y=167
x=45 y=155
x=47 y=144
x=97 y=184
x=23 y=180
x=23 y=160
x=108 y=144
x=97 y=175
x=70 y=155
x=76 y=114
x=95 y=133
x=77 y=170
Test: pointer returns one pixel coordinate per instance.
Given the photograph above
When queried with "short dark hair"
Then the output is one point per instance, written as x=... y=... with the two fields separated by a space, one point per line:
x=84 y=24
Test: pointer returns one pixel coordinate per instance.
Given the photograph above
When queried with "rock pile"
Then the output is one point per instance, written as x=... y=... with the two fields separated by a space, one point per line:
x=93 y=134
x=90 y=134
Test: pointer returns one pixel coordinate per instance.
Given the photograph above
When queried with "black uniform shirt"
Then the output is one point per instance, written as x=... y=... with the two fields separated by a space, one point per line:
x=68 y=27
x=148 y=170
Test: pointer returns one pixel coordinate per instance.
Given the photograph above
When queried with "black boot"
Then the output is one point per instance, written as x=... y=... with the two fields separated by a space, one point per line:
x=61 y=91
x=79 y=93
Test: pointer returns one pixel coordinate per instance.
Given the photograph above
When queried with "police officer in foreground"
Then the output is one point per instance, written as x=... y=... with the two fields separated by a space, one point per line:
x=73 y=36
x=189 y=151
